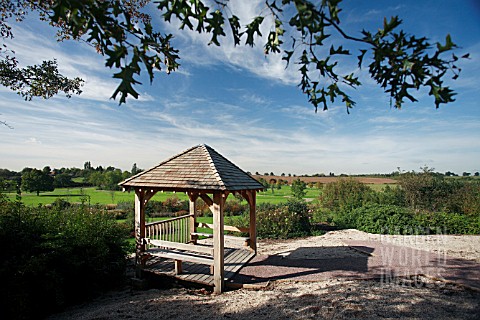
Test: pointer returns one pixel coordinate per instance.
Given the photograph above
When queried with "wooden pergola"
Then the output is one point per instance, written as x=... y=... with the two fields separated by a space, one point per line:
x=203 y=173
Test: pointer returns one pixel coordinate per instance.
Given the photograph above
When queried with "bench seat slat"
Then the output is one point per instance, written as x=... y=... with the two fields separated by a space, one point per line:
x=209 y=235
x=180 y=246
x=181 y=256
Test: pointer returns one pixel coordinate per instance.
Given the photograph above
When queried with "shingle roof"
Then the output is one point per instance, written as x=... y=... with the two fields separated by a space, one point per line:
x=200 y=168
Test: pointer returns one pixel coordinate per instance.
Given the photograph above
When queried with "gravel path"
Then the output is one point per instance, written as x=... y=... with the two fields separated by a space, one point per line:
x=302 y=294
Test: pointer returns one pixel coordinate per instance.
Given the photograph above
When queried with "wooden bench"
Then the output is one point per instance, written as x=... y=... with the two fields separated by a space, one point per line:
x=180 y=252
x=195 y=235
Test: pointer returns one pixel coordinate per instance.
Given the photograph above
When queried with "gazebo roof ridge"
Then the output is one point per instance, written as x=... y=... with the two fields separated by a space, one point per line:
x=152 y=168
x=197 y=168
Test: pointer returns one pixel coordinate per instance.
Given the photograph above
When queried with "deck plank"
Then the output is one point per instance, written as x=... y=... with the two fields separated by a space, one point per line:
x=235 y=259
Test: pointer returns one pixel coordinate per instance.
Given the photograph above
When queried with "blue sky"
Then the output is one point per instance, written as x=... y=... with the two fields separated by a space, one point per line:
x=247 y=106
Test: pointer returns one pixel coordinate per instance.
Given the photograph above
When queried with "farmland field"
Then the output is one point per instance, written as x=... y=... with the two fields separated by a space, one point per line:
x=366 y=180
x=93 y=196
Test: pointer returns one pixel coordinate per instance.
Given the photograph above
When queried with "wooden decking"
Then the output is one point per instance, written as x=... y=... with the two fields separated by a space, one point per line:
x=235 y=259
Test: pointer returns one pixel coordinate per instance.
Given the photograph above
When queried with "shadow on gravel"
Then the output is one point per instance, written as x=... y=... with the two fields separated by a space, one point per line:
x=306 y=262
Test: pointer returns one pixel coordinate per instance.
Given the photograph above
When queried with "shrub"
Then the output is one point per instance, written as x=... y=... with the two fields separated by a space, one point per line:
x=298 y=189
x=126 y=206
x=465 y=199
x=156 y=209
x=174 y=204
x=345 y=194
x=449 y=223
x=389 y=219
x=428 y=191
x=234 y=207
x=385 y=219
x=202 y=209
x=390 y=195
x=61 y=204
x=283 y=220
x=54 y=257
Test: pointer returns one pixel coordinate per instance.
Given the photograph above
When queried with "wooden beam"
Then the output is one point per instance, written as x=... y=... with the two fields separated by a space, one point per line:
x=209 y=201
x=193 y=219
x=181 y=256
x=181 y=246
x=218 y=244
x=253 y=220
x=206 y=199
x=141 y=198
x=226 y=228
x=178 y=267
x=139 y=230
x=149 y=193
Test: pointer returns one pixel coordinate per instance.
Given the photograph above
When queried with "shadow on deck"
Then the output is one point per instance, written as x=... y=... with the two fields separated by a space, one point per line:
x=199 y=274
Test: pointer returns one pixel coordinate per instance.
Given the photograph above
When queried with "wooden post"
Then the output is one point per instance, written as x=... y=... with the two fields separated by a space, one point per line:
x=218 y=245
x=141 y=198
x=253 y=220
x=139 y=230
x=193 y=219
x=178 y=267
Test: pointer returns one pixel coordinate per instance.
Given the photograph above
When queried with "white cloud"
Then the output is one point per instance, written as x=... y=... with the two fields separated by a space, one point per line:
x=33 y=140
x=253 y=125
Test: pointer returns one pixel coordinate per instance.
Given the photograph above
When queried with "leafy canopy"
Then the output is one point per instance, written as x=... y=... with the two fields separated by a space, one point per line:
x=122 y=31
x=34 y=180
x=298 y=189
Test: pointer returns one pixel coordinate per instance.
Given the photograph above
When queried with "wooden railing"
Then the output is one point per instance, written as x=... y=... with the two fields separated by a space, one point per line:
x=225 y=227
x=173 y=230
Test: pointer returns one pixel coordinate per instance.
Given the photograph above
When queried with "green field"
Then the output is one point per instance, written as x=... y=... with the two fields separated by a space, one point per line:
x=93 y=196
x=87 y=195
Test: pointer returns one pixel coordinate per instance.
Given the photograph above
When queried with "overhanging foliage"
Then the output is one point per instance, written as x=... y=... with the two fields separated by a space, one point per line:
x=123 y=32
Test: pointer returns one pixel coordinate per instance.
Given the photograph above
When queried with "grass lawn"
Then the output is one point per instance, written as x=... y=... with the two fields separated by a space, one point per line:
x=88 y=195
x=283 y=194
x=94 y=196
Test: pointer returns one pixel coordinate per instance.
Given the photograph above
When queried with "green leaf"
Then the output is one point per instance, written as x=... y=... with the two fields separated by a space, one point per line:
x=388 y=26
x=360 y=57
x=339 y=50
x=235 y=26
x=448 y=45
x=215 y=26
x=252 y=29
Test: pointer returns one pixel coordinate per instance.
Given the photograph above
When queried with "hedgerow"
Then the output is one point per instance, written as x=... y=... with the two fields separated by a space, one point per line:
x=390 y=219
x=423 y=203
x=55 y=257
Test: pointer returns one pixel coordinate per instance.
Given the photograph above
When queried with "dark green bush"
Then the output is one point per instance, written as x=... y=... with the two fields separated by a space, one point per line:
x=283 y=220
x=388 y=219
x=385 y=219
x=429 y=191
x=126 y=206
x=53 y=257
x=174 y=204
x=234 y=207
x=345 y=194
x=61 y=204
x=389 y=195
x=449 y=223
x=465 y=199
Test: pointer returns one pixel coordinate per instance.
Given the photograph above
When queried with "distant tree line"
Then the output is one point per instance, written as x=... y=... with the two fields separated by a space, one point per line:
x=394 y=174
x=48 y=179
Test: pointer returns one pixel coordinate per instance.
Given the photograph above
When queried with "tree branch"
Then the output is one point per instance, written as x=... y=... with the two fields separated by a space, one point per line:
x=346 y=36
